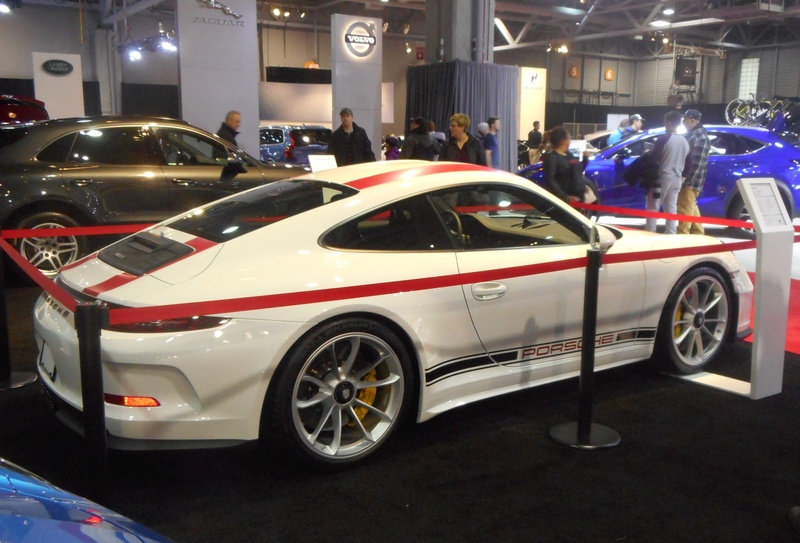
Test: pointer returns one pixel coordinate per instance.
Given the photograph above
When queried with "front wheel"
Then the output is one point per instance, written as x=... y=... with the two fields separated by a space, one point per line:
x=696 y=320
x=340 y=393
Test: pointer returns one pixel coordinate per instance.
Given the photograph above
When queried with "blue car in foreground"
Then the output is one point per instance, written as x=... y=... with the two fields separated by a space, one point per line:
x=33 y=510
x=736 y=152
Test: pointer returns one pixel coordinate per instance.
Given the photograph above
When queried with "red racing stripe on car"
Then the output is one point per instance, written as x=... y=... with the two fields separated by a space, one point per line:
x=110 y=284
x=198 y=244
x=411 y=173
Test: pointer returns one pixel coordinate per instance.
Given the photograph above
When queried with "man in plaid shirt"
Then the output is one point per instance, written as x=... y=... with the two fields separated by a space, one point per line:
x=694 y=171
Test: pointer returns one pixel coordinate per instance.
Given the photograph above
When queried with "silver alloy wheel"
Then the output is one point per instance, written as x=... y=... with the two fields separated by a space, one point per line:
x=699 y=320
x=49 y=255
x=348 y=395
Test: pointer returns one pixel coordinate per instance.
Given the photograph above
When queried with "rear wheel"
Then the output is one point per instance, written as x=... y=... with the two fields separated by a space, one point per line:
x=696 y=320
x=340 y=393
x=50 y=254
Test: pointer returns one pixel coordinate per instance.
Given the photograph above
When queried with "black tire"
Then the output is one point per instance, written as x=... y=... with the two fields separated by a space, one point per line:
x=696 y=320
x=592 y=213
x=737 y=211
x=328 y=414
x=49 y=255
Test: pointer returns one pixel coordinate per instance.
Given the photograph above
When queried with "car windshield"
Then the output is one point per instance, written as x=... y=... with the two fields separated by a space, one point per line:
x=233 y=217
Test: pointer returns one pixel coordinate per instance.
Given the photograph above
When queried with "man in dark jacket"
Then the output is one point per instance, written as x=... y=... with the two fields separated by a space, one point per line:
x=420 y=144
x=228 y=129
x=350 y=143
x=462 y=146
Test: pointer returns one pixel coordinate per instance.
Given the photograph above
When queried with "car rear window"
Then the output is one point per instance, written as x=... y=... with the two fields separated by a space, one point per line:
x=311 y=136
x=254 y=209
x=11 y=135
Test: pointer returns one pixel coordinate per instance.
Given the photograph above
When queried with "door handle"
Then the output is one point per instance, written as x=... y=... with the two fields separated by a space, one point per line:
x=183 y=182
x=81 y=182
x=491 y=290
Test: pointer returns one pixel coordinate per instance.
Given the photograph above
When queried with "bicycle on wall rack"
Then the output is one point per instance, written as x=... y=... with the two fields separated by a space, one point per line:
x=751 y=112
x=756 y=112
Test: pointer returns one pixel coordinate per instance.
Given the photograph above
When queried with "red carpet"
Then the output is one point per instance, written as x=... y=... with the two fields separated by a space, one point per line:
x=793 y=322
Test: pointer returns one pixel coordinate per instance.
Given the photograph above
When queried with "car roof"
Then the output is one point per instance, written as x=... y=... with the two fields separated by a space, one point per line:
x=389 y=174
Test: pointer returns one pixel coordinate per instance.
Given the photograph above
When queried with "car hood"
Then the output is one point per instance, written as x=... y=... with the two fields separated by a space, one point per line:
x=35 y=510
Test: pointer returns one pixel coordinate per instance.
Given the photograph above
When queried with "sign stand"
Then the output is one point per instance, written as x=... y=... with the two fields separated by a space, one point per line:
x=773 y=275
x=584 y=434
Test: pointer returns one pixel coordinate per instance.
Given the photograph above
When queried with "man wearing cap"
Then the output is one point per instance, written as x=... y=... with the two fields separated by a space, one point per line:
x=694 y=172
x=617 y=135
x=350 y=143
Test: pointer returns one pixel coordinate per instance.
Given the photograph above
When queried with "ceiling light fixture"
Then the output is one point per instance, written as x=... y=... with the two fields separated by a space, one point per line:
x=408 y=48
x=406 y=28
x=5 y=8
x=668 y=11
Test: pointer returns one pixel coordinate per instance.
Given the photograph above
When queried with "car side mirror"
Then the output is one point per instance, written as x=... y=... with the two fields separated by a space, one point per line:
x=234 y=167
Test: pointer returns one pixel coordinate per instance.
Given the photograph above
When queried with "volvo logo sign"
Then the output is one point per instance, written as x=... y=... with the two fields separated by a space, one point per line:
x=57 y=67
x=360 y=39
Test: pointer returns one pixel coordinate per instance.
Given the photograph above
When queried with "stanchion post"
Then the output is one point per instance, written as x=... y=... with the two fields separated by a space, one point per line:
x=584 y=434
x=8 y=379
x=89 y=321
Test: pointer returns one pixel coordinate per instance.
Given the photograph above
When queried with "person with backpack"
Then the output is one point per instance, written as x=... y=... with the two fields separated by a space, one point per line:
x=671 y=153
x=420 y=145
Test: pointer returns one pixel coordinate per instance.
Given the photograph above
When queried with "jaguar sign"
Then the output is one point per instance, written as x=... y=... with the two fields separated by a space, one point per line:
x=360 y=39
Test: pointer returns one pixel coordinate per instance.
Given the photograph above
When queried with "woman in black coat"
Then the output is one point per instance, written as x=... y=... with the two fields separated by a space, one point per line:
x=462 y=146
x=563 y=172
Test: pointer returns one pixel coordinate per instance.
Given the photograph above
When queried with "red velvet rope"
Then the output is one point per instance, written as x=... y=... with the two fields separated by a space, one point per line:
x=234 y=305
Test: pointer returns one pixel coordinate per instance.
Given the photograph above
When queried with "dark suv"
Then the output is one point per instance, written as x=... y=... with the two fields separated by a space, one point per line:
x=293 y=144
x=113 y=170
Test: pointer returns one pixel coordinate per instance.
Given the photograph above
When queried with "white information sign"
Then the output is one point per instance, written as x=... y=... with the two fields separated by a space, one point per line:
x=773 y=278
x=319 y=163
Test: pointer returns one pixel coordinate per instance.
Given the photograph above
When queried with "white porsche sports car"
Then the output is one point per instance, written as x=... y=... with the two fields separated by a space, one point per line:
x=355 y=297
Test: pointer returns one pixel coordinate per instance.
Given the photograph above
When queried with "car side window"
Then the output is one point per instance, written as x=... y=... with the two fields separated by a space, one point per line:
x=182 y=148
x=271 y=136
x=481 y=217
x=58 y=151
x=130 y=145
x=407 y=225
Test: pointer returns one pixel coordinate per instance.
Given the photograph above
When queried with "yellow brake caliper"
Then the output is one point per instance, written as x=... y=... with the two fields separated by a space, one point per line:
x=366 y=395
x=676 y=332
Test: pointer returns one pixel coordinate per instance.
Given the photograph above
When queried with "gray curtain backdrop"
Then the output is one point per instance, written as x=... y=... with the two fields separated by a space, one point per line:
x=480 y=90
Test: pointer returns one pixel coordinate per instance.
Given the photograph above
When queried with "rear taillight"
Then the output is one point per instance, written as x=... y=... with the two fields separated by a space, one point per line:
x=131 y=401
x=187 y=324
x=289 y=150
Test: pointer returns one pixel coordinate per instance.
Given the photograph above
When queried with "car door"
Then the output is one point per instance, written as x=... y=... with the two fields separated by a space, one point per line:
x=117 y=172
x=525 y=319
x=197 y=168
x=606 y=169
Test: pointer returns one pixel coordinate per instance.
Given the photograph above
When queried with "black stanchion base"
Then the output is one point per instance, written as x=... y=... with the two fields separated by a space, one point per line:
x=600 y=437
x=18 y=379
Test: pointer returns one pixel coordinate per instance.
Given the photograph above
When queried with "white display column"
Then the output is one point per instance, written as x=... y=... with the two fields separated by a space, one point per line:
x=58 y=82
x=357 y=67
x=218 y=65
